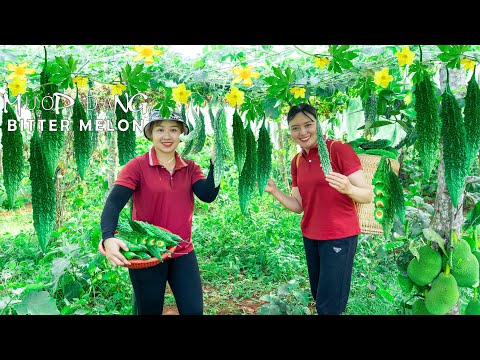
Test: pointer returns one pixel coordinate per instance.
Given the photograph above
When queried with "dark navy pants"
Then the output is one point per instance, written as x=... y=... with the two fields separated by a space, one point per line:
x=183 y=276
x=330 y=264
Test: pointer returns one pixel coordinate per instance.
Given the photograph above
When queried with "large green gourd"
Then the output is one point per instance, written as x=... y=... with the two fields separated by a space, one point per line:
x=125 y=139
x=239 y=141
x=248 y=176
x=219 y=148
x=92 y=115
x=188 y=142
x=199 y=140
x=43 y=191
x=370 y=111
x=264 y=152
x=454 y=147
x=82 y=138
x=322 y=150
x=472 y=121
x=12 y=162
x=52 y=140
x=428 y=124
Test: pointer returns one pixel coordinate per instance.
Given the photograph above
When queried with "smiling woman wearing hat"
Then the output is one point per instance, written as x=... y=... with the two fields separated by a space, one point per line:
x=162 y=184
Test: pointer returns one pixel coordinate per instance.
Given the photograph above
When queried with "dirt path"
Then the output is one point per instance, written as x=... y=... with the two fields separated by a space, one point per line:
x=243 y=307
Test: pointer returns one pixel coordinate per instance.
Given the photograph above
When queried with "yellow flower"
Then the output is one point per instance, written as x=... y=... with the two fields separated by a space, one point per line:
x=117 y=89
x=298 y=92
x=405 y=57
x=82 y=82
x=468 y=64
x=382 y=77
x=235 y=97
x=408 y=98
x=321 y=62
x=180 y=93
x=245 y=75
x=19 y=71
x=18 y=86
x=147 y=52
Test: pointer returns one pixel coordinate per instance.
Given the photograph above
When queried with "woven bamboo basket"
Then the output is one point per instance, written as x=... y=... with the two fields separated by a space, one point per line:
x=368 y=224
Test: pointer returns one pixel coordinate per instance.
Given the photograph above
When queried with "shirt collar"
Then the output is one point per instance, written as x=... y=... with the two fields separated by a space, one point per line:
x=153 y=161
x=304 y=153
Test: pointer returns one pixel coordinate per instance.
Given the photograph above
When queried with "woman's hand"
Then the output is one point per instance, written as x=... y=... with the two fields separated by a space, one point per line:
x=339 y=182
x=270 y=186
x=113 y=254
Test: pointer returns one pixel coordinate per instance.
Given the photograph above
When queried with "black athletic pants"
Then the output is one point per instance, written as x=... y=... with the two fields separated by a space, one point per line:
x=183 y=276
x=330 y=264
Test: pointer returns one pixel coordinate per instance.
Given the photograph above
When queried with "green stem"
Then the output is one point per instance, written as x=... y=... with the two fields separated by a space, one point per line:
x=303 y=51
x=475 y=241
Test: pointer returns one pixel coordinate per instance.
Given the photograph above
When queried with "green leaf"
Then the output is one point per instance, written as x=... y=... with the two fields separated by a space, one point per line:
x=271 y=108
x=199 y=64
x=473 y=217
x=446 y=57
x=413 y=249
x=385 y=295
x=410 y=112
x=73 y=290
x=405 y=283
x=283 y=290
x=278 y=72
x=377 y=124
x=37 y=303
x=301 y=296
x=444 y=48
x=433 y=236
x=393 y=245
x=269 y=309
x=59 y=265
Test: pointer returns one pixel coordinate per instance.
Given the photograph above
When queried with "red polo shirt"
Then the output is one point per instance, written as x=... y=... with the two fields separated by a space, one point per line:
x=327 y=214
x=160 y=198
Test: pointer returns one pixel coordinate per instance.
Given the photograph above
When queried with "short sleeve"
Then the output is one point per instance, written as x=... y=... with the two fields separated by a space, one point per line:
x=197 y=173
x=293 y=171
x=346 y=158
x=129 y=176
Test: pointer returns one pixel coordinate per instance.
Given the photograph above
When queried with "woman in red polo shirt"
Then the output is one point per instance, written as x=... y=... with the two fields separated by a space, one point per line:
x=162 y=184
x=329 y=224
